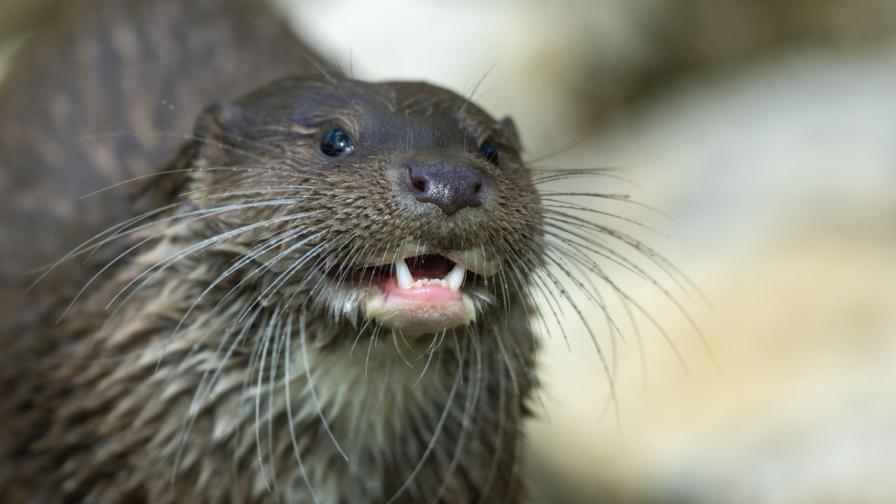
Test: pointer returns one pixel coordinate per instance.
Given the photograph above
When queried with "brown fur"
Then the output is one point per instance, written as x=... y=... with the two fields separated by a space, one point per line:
x=212 y=344
x=176 y=390
x=157 y=399
x=106 y=90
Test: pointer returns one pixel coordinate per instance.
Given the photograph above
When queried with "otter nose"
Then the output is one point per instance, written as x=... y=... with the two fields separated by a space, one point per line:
x=449 y=186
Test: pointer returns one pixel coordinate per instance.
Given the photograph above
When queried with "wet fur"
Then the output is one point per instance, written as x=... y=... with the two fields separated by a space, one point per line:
x=222 y=333
x=207 y=354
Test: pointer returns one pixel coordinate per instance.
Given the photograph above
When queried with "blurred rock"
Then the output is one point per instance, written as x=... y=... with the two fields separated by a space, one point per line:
x=19 y=15
x=653 y=41
x=779 y=179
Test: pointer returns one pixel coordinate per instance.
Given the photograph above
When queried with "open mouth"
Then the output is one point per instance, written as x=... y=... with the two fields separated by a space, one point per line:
x=420 y=293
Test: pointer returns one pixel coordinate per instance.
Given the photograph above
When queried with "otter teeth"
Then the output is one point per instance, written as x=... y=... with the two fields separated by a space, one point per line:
x=453 y=281
x=403 y=275
x=455 y=277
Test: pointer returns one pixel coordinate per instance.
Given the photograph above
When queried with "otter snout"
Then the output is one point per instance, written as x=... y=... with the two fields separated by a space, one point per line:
x=448 y=185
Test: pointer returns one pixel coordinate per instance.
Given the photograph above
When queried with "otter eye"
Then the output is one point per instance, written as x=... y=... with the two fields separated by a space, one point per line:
x=488 y=151
x=336 y=143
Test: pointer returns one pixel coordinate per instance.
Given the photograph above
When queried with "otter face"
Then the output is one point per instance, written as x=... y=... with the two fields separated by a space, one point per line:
x=395 y=204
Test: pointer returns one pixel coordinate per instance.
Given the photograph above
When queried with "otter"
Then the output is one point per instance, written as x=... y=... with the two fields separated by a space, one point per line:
x=326 y=294
x=321 y=298
x=316 y=314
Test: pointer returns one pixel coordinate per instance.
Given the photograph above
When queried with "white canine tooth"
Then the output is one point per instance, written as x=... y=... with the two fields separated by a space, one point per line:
x=456 y=277
x=403 y=275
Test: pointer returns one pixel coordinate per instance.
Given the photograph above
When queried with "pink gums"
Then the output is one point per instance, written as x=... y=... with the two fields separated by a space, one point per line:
x=429 y=294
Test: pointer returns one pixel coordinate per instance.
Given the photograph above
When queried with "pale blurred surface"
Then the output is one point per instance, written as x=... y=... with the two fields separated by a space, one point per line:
x=767 y=132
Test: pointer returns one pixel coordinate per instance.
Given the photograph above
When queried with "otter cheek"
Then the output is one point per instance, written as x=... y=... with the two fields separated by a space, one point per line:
x=419 y=311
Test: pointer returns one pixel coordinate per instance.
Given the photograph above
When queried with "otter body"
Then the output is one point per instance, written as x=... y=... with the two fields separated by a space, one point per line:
x=321 y=296
x=104 y=91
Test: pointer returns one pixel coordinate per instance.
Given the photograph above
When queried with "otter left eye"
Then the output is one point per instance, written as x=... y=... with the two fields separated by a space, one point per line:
x=336 y=143
x=488 y=151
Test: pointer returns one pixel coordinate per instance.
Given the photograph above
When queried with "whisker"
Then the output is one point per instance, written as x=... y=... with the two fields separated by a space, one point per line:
x=288 y=397
x=158 y=268
x=571 y=145
x=438 y=429
x=554 y=209
x=303 y=336
x=622 y=198
x=265 y=340
x=469 y=409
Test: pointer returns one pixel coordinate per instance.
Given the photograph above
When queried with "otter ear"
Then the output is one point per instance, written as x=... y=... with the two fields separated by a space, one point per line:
x=220 y=121
x=219 y=128
x=509 y=128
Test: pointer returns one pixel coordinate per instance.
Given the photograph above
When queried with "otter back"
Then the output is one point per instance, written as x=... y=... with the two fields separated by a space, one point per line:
x=104 y=92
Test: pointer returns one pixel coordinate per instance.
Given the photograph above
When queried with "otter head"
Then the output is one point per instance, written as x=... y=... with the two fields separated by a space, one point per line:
x=395 y=204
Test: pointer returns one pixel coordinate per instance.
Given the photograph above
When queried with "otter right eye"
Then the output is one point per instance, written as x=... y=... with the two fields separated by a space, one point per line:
x=336 y=143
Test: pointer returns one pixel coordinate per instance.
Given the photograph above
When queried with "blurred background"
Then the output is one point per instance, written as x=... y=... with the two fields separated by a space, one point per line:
x=764 y=133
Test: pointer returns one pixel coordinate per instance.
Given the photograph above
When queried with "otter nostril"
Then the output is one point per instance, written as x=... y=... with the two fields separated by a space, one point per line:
x=478 y=188
x=416 y=181
x=419 y=183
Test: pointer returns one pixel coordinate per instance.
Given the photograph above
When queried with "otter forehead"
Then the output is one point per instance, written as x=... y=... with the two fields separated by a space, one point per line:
x=397 y=115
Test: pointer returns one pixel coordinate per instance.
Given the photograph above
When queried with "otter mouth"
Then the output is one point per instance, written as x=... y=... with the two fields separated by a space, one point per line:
x=424 y=293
